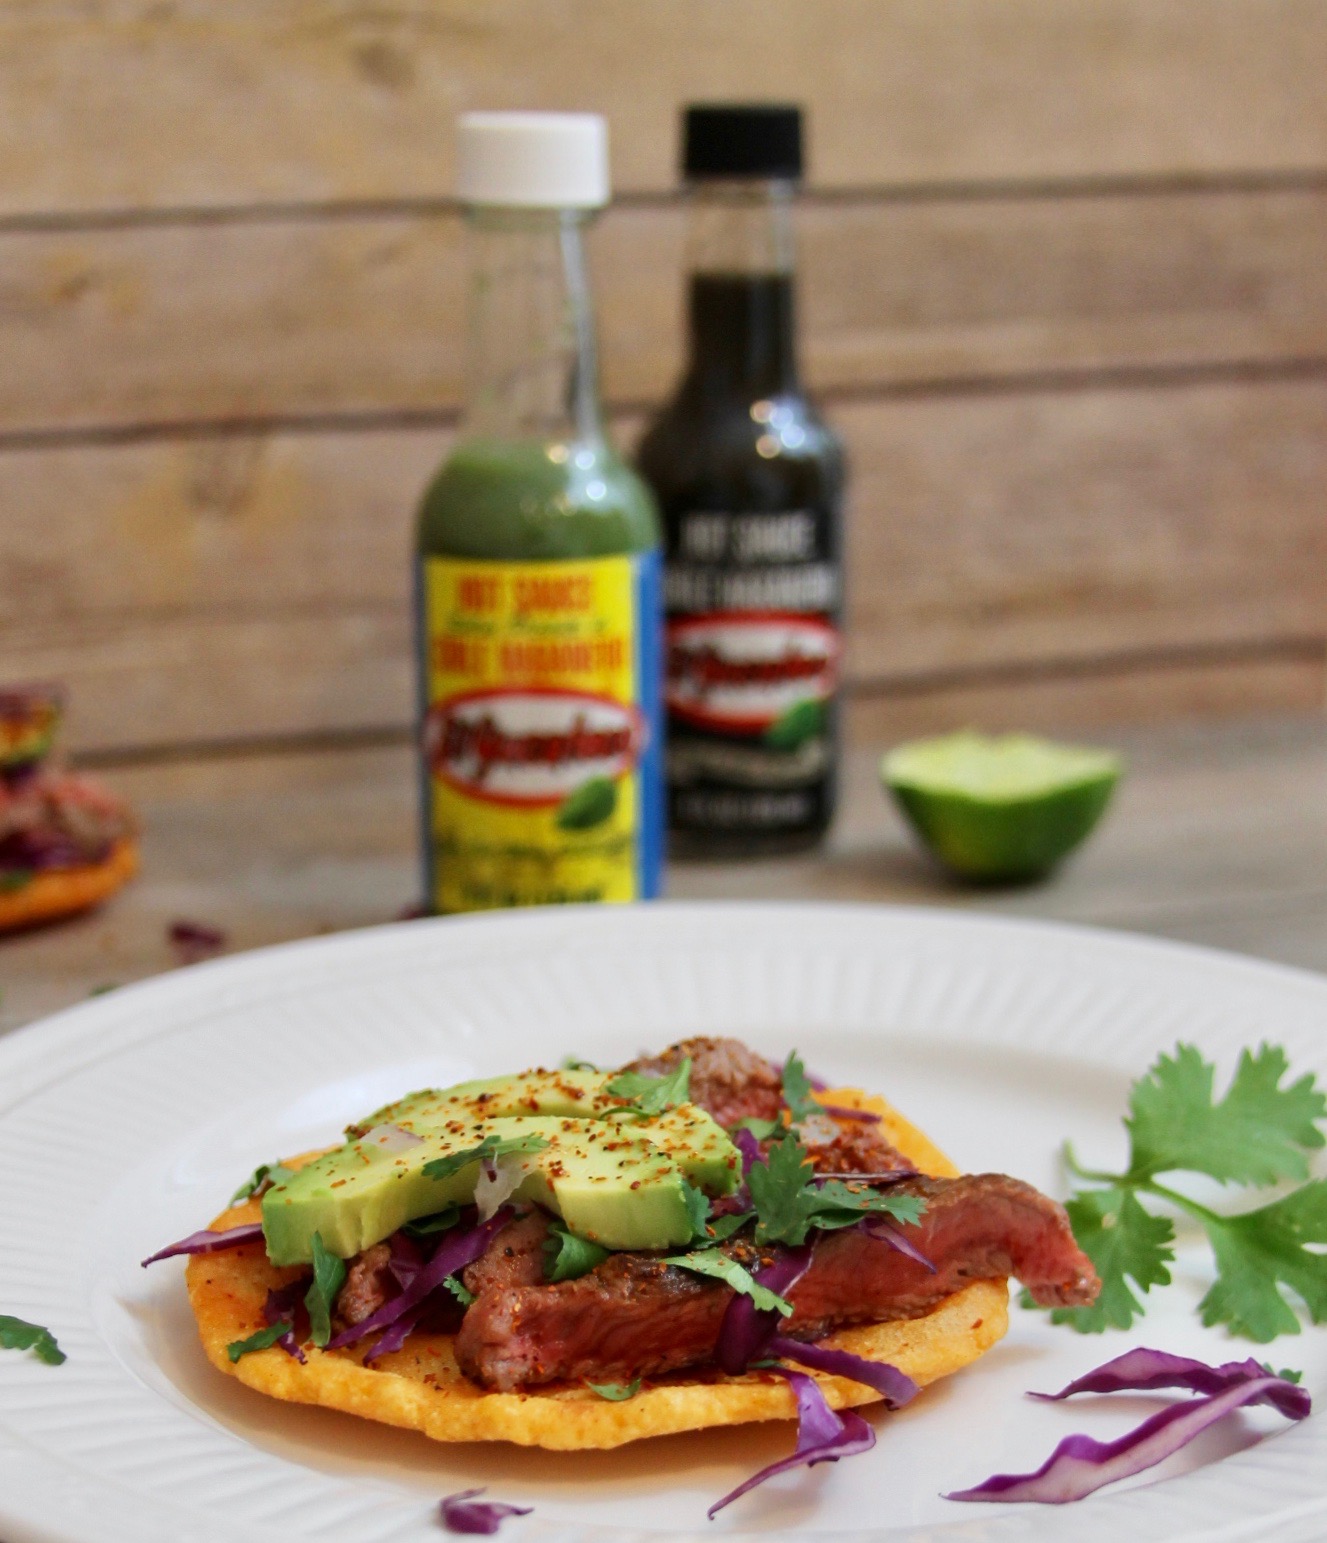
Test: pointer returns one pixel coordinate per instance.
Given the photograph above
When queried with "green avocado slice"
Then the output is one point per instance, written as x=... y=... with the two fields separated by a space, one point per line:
x=577 y=1095
x=611 y=1181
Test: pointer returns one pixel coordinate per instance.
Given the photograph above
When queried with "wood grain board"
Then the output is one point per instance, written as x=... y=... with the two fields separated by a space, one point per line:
x=118 y=104
x=1063 y=289
x=170 y=324
x=223 y=587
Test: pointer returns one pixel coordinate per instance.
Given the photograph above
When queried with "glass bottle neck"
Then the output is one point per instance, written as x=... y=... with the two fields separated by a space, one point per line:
x=533 y=372
x=741 y=301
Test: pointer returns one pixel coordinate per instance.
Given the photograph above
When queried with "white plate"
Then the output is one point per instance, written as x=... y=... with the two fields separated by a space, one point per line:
x=126 y=1123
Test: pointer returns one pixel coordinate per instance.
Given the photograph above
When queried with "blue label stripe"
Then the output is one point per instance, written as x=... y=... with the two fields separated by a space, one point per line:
x=648 y=589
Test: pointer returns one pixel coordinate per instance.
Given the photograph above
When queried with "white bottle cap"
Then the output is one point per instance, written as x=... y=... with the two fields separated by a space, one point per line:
x=533 y=160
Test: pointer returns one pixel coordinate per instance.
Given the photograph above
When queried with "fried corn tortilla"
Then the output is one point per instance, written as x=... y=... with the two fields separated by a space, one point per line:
x=48 y=896
x=421 y=1388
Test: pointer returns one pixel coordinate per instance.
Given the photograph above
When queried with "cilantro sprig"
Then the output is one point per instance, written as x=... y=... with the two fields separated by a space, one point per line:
x=329 y=1275
x=652 y=1095
x=797 y=1093
x=789 y=1202
x=264 y=1339
x=615 y=1392
x=1259 y=1132
x=568 y=1257
x=275 y=1173
x=709 y=1261
x=19 y=1334
x=488 y=1150
x=459 y=1290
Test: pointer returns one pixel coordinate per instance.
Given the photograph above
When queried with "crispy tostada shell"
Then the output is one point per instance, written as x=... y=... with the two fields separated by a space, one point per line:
x=57 y=892
x=421 y=1388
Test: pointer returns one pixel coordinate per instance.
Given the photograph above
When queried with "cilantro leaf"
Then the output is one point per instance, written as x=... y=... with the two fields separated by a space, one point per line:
x=615 y=1391
x=278 y=1173
x=489 y=1147
x=652 y=1095
x=1256 y=1134
x=789 y=1203
x=762 y=1130
x=459 y=1290
x=797 y=1089
x=842 y=1205
x=264 y=1339
x=1259 y=1132
x=19 y=1334
x=1125 y=1243
x=440 y=1221
x=720 y=1228
x=1285 y=1374
x=709 y=1261
x=329 y=1274
x=698 y=1209
x=14 y=879
x=1259 y=1251
x=571 y=1063
x=779 y=1191
x=567 y=1257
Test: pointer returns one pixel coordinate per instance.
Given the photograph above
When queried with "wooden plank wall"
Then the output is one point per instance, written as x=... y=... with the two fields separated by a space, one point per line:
x=1064 y=292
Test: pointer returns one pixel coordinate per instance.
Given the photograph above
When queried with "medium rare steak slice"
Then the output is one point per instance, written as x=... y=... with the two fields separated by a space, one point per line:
x=734 y=1084
x=634 y=1315
x=730 y=1081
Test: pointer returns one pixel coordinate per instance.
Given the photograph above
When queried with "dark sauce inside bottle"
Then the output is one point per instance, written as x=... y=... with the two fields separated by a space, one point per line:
x=749 y=481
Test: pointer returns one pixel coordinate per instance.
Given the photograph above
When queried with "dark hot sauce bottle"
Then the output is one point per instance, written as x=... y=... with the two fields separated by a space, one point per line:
x=750 y=484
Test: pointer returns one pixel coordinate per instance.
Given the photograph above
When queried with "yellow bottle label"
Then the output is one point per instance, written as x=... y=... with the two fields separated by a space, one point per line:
x=541 y=731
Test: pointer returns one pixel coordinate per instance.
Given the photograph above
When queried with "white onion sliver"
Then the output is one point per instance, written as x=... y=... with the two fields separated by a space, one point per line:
x=497 y=1182
x=392 y=1138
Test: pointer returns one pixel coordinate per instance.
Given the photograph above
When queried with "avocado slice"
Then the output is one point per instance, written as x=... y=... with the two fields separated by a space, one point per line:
x=687 y=1133
x=578 y=1095
x=609 y=1180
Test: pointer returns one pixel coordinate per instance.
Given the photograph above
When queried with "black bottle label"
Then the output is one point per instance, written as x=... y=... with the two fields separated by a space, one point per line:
x=753 y=653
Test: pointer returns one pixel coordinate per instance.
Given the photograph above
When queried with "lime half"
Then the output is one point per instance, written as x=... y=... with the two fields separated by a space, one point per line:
x=1003 y=807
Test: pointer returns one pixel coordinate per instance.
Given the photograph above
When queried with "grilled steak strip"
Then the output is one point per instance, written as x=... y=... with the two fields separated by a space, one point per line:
x=635 y=1316
x=733 y=1084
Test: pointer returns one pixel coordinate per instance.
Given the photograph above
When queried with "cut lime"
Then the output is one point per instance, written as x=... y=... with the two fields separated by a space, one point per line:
x=1000 y=808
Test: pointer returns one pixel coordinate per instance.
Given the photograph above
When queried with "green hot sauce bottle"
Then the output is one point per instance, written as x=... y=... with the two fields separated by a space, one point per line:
x=538 y=571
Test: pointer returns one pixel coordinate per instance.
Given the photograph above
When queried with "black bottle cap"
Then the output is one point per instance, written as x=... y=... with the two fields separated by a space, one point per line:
x=754 y=140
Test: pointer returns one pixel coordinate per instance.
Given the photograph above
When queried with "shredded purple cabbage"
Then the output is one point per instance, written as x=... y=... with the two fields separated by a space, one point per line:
x=896 y=1387
x=842 y=1112
x=460 y=1247
x=283 y=1305
x=40 y=850
x=406 y=1261
x=463 y=1513
x=207 y=1242
x=1144 y=1371
x=746 y=1330
x=396 y=1334
x=1080 y=1465
x=745 y=1142
x=195 y=941
x=878 y=1176
x=881 y=1227
x=823 y=1436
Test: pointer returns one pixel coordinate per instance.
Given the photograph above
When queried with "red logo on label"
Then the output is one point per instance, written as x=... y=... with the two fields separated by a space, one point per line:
x=528 y=747
x=740 y=670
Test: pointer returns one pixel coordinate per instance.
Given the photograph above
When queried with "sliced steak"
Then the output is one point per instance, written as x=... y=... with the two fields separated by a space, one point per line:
x=636 y=1316
x=514 y=1258
x=734 y=1084
x=730 y=1081
x=369 y=1285
x=852 y=1147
